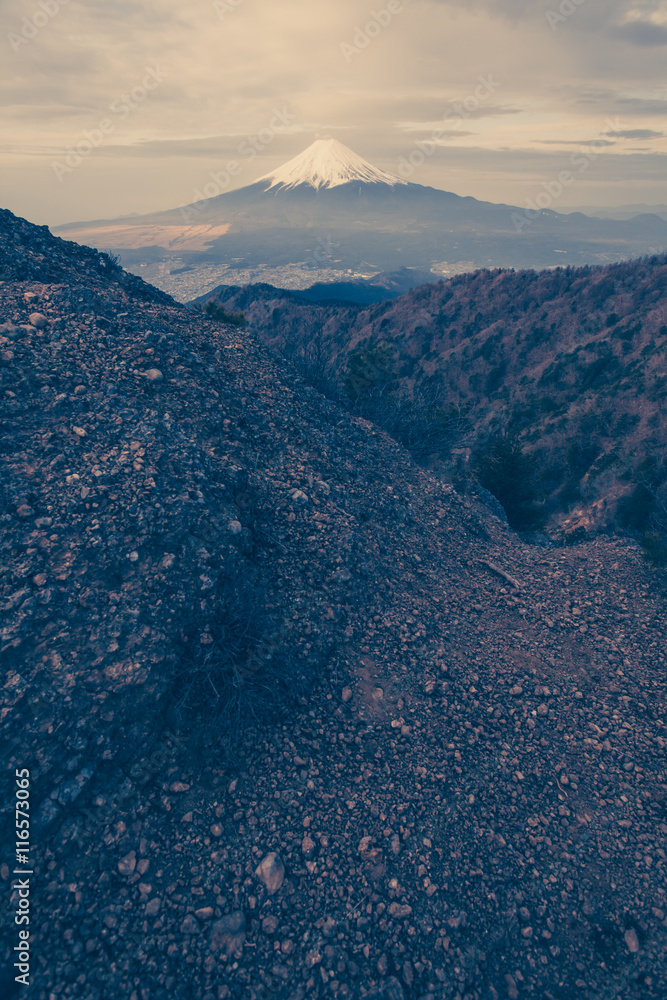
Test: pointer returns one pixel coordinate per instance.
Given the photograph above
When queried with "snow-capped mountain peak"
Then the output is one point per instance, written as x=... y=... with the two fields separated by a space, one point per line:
x=327 y=163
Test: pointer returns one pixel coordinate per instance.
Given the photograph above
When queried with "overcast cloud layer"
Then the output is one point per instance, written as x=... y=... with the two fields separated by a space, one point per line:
x=158 y=94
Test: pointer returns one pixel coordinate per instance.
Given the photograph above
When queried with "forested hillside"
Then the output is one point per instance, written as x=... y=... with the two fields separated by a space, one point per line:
x=567 y=366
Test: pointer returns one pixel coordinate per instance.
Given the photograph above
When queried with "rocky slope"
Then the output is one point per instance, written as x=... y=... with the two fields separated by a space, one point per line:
x=572 y=360
x=460 y=790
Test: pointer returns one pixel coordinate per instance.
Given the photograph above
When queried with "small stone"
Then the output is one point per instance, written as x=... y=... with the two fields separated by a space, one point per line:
x=365 y=844
x=308 y=847
x=346 y=694
x=228 y=933
x=39 y=580
x=516 y=690
x=270 y=924
x=399 y=911
x=542 y=709
x=271 y=871
x=298 y=496
x=392 y=990
x=235 y=527
x=179 y=787
x=190 y=925
x=204 y=913
x=154 y=375
x=632 y=941
x=30 y=297
x=313 y=958
x=38 y=320
x=127 y=864
x=79 y=431
x=512 y=990
x=153 y=907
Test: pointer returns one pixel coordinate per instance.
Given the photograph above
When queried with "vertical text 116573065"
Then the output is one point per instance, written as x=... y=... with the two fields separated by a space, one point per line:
x=22 y=873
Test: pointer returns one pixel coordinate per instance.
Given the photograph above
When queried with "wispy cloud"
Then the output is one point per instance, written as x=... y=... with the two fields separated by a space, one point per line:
x=492 y=111
x=573 y=142
x=639 y=133
x=643 y=33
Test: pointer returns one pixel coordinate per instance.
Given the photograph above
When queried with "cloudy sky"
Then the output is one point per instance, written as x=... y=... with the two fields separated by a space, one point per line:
x=156 y=94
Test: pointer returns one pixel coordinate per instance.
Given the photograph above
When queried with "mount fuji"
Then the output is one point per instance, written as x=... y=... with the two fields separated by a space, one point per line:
x=327 y=164
x=330 y=216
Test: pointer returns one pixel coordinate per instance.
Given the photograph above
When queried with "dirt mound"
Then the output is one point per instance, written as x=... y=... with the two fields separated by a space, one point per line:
x=449 y=776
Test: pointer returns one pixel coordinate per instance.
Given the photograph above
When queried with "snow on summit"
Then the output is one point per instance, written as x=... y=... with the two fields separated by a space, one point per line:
x=328 y=164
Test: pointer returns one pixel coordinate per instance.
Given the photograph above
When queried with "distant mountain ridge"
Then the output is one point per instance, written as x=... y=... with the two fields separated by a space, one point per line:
x=381 y=288
x=622 y=212
x=329 y=215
